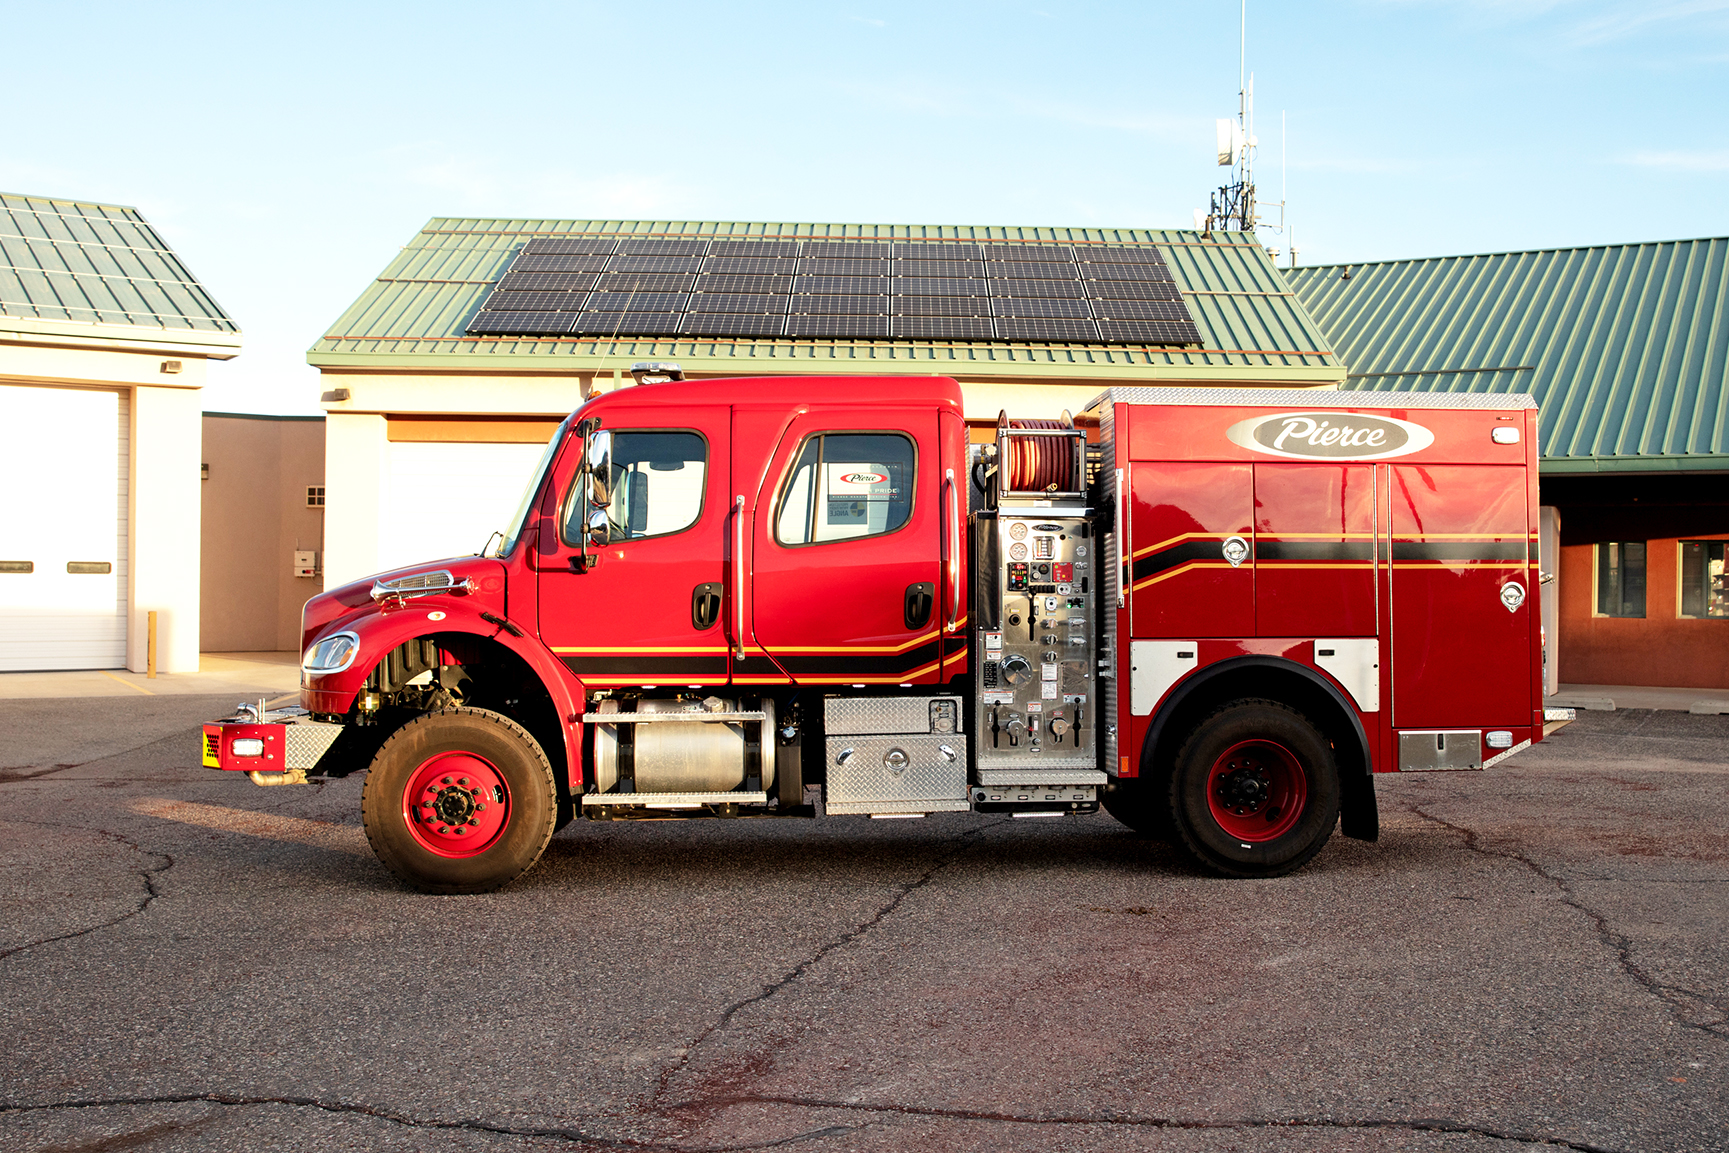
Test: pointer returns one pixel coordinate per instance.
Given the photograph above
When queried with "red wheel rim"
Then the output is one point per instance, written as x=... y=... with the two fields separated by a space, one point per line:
x=1256 y=791
x=456 y=805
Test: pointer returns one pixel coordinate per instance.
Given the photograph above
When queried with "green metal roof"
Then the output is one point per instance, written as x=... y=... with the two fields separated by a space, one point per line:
x=68 y=265
x=414 y=313
x=1625 y=347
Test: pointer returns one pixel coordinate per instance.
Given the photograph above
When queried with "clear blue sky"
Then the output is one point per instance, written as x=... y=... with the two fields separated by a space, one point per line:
x=288 y=151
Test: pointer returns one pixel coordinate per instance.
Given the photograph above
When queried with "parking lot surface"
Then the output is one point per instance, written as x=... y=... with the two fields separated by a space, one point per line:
x=1530 y=958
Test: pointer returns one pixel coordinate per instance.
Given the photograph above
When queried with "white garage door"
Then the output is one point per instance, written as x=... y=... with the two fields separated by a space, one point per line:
x=63 y=470
x=444 y=500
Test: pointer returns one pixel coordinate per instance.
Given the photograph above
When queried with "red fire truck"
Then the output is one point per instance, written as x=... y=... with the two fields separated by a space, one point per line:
x=1215 y=612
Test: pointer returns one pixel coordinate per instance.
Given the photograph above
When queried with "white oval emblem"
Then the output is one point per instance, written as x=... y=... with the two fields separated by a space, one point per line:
x=1512 y=595
x=1331 y=435
x=864 y=478
x=435 y=616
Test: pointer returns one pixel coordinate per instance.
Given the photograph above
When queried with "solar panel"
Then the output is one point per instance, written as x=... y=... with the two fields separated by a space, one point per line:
x=733 y=283
x=1125 y=272
x=767 y=264
x=854 y=249
x=1140 y=310
x=1040 y=306
x=1132 y=290
x=731 y=324
x=836 y=266
x=536 y=301
x=547 y=281
x=936 y=251
x=1122 y=255
x=941 y=286
x=939 y=306
x=842 y=305
x=1028 y=252
x=838 y=289
x=753 y=248
x=637 y=302
x=737 y=302
x=1149 y=331
x=855 y=327
x=526 y=322
x=939 y=268
x=843 y=284
x=1028 y=270
x=1037 y=328
x=663 y=247
x=644 y=282
x=629 y=323
x=555 y=263
x=1073 y=289
x=568 y=245
x=941 y=328
x=655 y=263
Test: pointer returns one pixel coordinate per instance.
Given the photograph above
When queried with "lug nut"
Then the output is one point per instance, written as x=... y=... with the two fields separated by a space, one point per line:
x=481 y=807
x=447 y=780
x=460 y=780
x=443 y=829
x=460 y=830
x=472 y=821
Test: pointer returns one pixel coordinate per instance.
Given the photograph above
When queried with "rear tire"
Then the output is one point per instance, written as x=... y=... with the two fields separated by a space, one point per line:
x=1255 y=791
x=459 y=801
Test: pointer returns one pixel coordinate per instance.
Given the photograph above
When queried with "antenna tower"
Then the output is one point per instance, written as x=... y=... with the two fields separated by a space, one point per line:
x=1233 y=206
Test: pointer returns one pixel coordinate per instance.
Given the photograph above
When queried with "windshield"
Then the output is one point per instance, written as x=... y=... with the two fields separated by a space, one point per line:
x=519 y=519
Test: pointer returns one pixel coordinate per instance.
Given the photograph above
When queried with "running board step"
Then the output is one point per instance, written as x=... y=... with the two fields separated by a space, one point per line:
x=672 y=800
x=667 y=718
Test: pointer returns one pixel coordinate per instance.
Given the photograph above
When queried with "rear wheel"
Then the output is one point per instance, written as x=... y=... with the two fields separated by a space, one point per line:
x=459 y=801
x=1255 y=791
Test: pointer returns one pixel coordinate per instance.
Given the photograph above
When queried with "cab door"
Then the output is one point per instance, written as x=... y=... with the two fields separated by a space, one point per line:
x=648 y=609
x=845 y=549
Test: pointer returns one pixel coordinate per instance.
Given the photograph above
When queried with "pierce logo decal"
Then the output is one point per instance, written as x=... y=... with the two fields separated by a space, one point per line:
x=1330 y=435
x=864 y=478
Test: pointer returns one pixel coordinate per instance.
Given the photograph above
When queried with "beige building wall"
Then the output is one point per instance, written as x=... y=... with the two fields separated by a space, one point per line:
x=255 y=518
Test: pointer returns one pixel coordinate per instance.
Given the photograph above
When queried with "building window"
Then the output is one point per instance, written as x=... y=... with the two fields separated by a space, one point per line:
x=1621 y=579
x=1702 y=578
x=314 y=496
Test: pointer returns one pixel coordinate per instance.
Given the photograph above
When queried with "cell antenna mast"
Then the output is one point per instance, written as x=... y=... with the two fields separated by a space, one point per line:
x=1233 y=205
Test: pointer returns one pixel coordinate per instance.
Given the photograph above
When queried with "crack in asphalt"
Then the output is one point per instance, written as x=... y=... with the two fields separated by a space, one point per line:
x=578 y=1136
x=151 y=892
x=960 y=843
x=1682 y=1001
x=379 y=1113
x=1130 y=1120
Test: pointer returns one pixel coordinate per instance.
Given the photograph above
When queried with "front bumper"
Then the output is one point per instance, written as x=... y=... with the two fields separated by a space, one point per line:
x=275 y=748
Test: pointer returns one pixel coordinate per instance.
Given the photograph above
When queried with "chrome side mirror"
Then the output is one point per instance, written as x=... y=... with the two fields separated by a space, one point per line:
x=600 y=469
x=599 y=529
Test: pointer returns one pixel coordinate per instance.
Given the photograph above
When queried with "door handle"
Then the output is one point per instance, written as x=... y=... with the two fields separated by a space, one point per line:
x=705 y=602
x=916 y=607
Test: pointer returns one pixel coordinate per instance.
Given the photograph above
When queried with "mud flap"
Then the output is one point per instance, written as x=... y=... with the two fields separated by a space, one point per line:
x=1359 y=817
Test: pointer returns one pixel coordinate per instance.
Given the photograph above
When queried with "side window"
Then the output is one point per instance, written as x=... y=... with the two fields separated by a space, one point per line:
x=657 y=485
x=847 y=485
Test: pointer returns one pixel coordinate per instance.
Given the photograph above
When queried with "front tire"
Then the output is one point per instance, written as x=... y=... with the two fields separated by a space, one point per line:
x=459 y=801
x=1255 y=791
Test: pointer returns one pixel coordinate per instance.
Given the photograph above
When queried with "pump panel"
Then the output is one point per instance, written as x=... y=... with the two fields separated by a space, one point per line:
x=1038 y=666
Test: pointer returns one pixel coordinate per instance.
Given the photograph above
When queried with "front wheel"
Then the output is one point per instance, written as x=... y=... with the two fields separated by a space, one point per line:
x=459 y=801
x=1255 y=791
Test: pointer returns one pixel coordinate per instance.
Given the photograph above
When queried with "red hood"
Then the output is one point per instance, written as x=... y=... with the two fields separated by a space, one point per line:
x=328 y=608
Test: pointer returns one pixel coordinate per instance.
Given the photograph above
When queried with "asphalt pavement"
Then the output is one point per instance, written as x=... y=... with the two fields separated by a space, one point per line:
x=1531 y=957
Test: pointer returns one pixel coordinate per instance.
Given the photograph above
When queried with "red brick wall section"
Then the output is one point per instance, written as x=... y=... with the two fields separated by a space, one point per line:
x=1661 y=650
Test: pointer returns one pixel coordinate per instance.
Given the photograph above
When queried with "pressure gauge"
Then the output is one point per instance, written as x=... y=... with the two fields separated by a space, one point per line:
x=1018 y=531
x=1017 y=551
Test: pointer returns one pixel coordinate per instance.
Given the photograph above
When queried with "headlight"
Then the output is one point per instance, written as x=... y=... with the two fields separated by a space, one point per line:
x=248 y=747
x=332 y=654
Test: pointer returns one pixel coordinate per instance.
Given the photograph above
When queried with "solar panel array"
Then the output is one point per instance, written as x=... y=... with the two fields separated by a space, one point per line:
x=839 y=289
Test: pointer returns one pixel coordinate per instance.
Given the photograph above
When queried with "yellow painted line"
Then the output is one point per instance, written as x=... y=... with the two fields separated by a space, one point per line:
x=1179 y=571
x=127 y=683
x=319 y=834
x=1281 y=565
x=1165 y=544
x=1278 y=536
x=927 y=638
